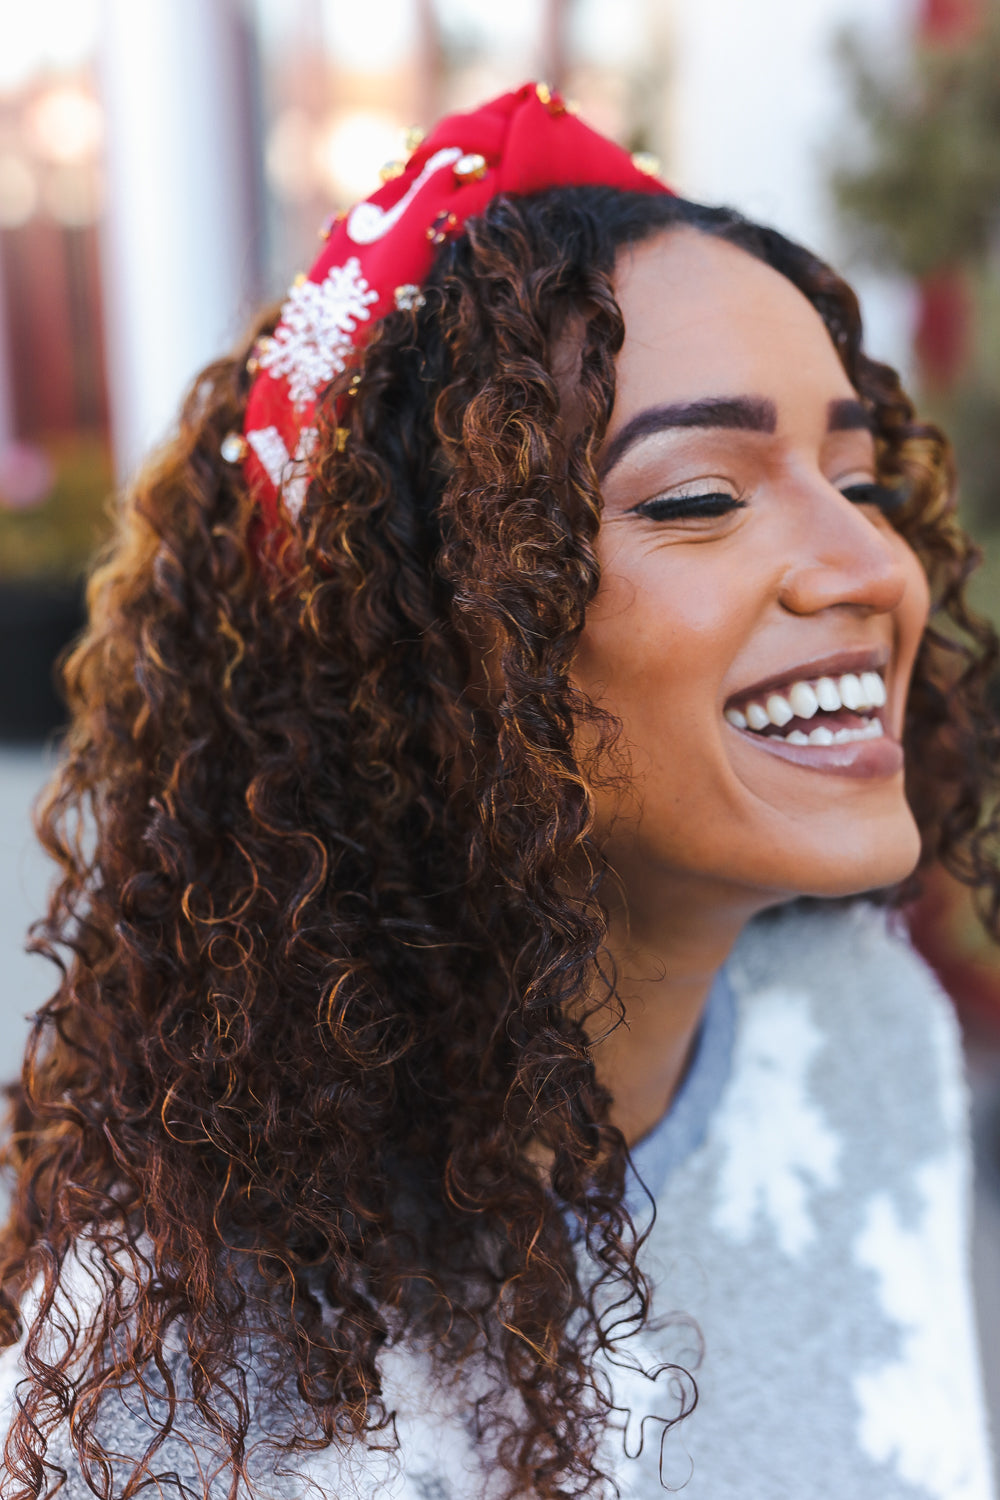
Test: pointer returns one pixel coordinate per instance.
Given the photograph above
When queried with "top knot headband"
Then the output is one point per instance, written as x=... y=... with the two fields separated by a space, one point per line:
x=377 y=255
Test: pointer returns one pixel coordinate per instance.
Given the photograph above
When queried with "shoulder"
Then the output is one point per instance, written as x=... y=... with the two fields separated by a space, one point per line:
x=848 y=942
x=857 y=965
x=839 y=993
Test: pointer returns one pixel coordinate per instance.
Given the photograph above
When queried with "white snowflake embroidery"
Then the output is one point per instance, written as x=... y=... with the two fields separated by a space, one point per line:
x=777 y=1140
x=314 y=338
x=921 y=1411
x=269 y=446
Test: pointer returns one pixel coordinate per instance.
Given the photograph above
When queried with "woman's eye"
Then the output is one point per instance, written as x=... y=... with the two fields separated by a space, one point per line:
x=703 y=506
x=880 y=495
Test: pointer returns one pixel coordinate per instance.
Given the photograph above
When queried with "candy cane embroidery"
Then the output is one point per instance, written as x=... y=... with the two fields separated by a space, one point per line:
x=367 y=222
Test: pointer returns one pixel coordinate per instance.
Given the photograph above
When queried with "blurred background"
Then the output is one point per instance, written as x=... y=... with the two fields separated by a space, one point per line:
x=164 y=168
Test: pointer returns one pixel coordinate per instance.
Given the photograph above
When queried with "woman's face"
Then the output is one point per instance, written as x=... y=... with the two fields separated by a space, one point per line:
x=755 y=608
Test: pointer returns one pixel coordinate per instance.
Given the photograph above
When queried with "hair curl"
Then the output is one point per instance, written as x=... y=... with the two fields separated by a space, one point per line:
x=328 y=906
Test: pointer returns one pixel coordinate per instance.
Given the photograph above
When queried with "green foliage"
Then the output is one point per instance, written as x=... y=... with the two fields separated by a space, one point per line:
x=929 y=196
x=56 y=539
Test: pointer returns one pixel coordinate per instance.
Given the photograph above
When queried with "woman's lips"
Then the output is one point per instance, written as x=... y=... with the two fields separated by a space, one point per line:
x=861 y=758
x=825 y=722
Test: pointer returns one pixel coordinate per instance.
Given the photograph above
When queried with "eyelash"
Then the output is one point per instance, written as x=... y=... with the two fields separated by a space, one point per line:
x=880 y=495
x=718 y=503
x=683 y=507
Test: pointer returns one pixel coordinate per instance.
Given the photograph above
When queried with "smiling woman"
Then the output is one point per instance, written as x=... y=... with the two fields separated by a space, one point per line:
x=447 y=1082
x=748 y=571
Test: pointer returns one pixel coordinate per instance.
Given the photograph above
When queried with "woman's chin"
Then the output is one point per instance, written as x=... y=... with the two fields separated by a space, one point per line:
x=874 y=864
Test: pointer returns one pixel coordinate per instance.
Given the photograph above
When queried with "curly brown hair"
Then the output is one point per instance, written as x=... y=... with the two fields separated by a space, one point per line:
x=329 y=903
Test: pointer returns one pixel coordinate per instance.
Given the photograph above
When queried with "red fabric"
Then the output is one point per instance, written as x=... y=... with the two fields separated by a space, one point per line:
x=530 y=142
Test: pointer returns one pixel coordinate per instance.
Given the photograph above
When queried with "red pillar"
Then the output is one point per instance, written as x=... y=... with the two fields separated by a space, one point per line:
x=950 y=22
x=942 y=338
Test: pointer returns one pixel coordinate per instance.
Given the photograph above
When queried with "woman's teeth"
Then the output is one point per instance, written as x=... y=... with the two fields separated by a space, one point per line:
x=856 y=692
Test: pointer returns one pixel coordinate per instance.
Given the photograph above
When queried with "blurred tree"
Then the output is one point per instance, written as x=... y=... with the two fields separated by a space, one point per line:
x=928 y=197
x=926 y=202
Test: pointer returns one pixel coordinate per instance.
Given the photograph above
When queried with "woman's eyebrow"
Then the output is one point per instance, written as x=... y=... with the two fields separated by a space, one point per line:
x=849 y=415
x=746 y=413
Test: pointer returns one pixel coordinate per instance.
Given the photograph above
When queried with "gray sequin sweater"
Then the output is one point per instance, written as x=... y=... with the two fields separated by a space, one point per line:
x=812 y=1191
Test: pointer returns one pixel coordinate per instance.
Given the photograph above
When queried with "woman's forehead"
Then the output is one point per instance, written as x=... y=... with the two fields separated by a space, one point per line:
x=703 y=319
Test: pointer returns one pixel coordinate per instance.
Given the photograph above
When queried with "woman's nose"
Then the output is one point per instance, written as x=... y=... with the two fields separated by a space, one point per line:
x=840 y=555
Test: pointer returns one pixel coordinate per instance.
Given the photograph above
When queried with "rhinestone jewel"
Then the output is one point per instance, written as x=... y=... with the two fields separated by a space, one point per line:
x=408 y=296
x=413 y=138
x=645 y=161
x=441 y=226
x=391 y=170
x=233 y=448
x=471 y=167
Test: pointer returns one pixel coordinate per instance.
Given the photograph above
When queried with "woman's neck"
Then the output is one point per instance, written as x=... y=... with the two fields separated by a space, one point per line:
x=666 y=958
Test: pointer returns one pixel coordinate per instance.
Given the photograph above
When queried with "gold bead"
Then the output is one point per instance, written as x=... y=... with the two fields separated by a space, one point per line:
x=572 y=106
x=340 y=436
x=300 y=279
x=391 y=170
x=551 y=98
x=647 y=163
x=233 y=448
x=412 y=138
x=471 y=167
x=257 y=353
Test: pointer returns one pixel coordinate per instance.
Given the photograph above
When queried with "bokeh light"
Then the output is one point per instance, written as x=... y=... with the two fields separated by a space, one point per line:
x=65 y=125
x=352 y=147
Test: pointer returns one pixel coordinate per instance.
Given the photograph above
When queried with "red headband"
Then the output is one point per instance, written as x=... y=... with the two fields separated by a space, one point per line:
x=378 y=254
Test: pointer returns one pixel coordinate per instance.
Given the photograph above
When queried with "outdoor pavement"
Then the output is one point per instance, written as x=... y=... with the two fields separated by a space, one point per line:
x=26 y=981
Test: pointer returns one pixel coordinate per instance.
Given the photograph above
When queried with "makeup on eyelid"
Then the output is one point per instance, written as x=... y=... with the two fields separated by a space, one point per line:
x=711 y=503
